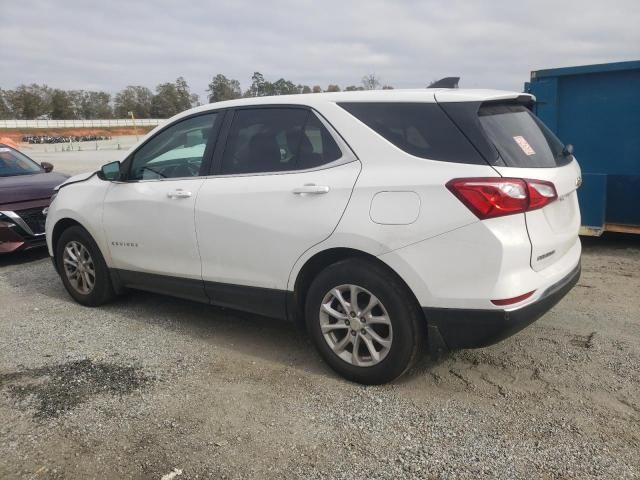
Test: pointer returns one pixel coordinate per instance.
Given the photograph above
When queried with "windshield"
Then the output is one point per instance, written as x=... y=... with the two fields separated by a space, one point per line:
x=521 y=138
x=12 y=162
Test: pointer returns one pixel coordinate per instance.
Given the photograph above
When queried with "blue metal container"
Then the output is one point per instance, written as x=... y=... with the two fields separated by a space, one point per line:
x=597 y=109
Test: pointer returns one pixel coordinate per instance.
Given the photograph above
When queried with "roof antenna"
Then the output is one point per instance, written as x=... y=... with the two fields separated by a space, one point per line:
x=446 y=82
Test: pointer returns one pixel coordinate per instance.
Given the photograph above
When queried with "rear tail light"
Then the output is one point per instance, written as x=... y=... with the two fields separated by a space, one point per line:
x=540 y=193
x=496 y=197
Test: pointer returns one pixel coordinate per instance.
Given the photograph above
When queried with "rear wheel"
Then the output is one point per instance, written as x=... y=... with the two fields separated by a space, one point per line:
x=363 y=321
x=82 y=268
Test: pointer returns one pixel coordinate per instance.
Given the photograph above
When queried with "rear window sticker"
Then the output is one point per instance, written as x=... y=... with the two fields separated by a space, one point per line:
x=524 y=145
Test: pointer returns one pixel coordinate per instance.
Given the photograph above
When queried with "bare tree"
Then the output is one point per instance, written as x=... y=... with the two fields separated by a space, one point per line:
x=371 y=82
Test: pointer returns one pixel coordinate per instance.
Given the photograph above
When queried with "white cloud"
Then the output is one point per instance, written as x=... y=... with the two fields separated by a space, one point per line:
x=108 y=45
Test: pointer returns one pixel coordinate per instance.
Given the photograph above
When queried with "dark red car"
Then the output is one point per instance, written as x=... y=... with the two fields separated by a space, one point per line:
x=25 y=191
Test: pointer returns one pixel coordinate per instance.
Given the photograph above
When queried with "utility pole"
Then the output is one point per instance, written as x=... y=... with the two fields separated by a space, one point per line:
x=133 y=119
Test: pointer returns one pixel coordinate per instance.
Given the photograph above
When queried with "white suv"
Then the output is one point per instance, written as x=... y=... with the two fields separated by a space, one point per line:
x=385 y=219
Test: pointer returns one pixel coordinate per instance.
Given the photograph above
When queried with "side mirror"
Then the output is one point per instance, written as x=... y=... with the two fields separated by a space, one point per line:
x=110 y=172
x=567 y=151
x=46 y=166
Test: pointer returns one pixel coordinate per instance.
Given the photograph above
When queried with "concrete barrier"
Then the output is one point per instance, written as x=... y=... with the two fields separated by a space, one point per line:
x=111 y=122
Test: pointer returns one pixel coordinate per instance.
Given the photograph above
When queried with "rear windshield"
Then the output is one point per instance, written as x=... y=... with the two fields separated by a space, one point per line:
x=521 y=139
x=420 y=129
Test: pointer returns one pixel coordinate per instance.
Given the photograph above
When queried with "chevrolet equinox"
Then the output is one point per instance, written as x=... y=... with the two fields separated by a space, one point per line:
x=384 y=220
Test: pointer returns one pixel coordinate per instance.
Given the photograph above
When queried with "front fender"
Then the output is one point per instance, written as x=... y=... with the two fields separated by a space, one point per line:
x=82 y=203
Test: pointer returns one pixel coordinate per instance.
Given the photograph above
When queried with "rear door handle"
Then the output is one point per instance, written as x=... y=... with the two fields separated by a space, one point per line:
x=179 y=193
x=311 y=188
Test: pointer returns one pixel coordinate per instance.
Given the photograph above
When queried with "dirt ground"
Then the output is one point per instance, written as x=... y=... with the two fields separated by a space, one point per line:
x=151 y=386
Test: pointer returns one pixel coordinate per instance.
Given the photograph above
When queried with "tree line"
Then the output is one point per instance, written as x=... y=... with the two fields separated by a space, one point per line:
x=27 y=102
x=33 y=101
x=223 y=88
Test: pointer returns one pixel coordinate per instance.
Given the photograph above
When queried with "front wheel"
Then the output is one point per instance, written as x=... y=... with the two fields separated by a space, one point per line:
x=82 y=268
x=363 y=321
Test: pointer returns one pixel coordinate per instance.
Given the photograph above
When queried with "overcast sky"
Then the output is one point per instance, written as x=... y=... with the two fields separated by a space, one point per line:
x=106 y=45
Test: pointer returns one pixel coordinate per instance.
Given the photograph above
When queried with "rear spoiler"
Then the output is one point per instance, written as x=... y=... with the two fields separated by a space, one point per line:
x=525 y=100
x=446 y=82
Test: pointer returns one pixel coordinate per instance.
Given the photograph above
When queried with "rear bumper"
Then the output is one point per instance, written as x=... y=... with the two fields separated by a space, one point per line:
x=451 y=328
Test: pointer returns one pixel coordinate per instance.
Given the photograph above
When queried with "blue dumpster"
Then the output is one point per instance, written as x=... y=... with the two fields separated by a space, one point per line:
x=597 y=109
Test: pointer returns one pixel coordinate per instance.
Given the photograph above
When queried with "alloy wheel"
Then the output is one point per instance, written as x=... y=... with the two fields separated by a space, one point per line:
x=356 y=325
x=79 y=267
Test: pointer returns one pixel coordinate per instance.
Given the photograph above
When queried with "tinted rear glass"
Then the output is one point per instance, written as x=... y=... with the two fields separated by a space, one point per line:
x=264 y=140
x=420 y=129
x=317 y=147
x=521 y=139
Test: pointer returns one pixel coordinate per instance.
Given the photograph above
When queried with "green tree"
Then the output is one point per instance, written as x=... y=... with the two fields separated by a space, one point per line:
x=387 y=87
x=95 y=105
x=164 y=103
x=172 y=98
x=134 y=98
x=5 y=109
x=29 y=101
x=353 y=88
x=62 y=105
x=258 y=86
x=222 y=88
x=281 y=87
x=316 y=89
x=332 y=88
x=75 y=98
x=186 y=99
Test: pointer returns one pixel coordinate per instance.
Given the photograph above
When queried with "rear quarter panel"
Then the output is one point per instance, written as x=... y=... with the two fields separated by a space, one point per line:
x=386 y=168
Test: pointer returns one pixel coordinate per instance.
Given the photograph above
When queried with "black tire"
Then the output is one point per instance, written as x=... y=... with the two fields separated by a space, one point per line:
x=102 y=291
x=405 y=317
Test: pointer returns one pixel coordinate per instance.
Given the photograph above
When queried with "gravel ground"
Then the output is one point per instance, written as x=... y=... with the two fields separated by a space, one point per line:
x=151 y=386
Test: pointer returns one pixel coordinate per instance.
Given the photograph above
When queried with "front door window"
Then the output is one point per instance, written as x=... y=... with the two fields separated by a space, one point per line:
x=176 y=152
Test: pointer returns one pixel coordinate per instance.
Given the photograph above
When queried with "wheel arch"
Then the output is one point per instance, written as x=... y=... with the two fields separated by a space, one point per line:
x=321 y=260
x=63 y=224
x=60 y=226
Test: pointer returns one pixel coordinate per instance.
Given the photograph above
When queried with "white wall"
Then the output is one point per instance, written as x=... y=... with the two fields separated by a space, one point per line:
x=115 y=122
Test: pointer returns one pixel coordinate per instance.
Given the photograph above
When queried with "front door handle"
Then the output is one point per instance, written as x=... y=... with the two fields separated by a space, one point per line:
x=311 y=188
x=179 y=193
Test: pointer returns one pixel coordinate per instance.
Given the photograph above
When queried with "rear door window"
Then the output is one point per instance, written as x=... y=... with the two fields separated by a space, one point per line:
x=521 y=139
x=420 y=129
x=317 y=146
x=264 y=140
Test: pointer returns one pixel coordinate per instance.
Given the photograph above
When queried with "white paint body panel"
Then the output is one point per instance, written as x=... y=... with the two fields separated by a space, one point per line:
x=252 y=228
x=395 y=208
x=552 y=229
x=161 y=228
x=82 y=202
